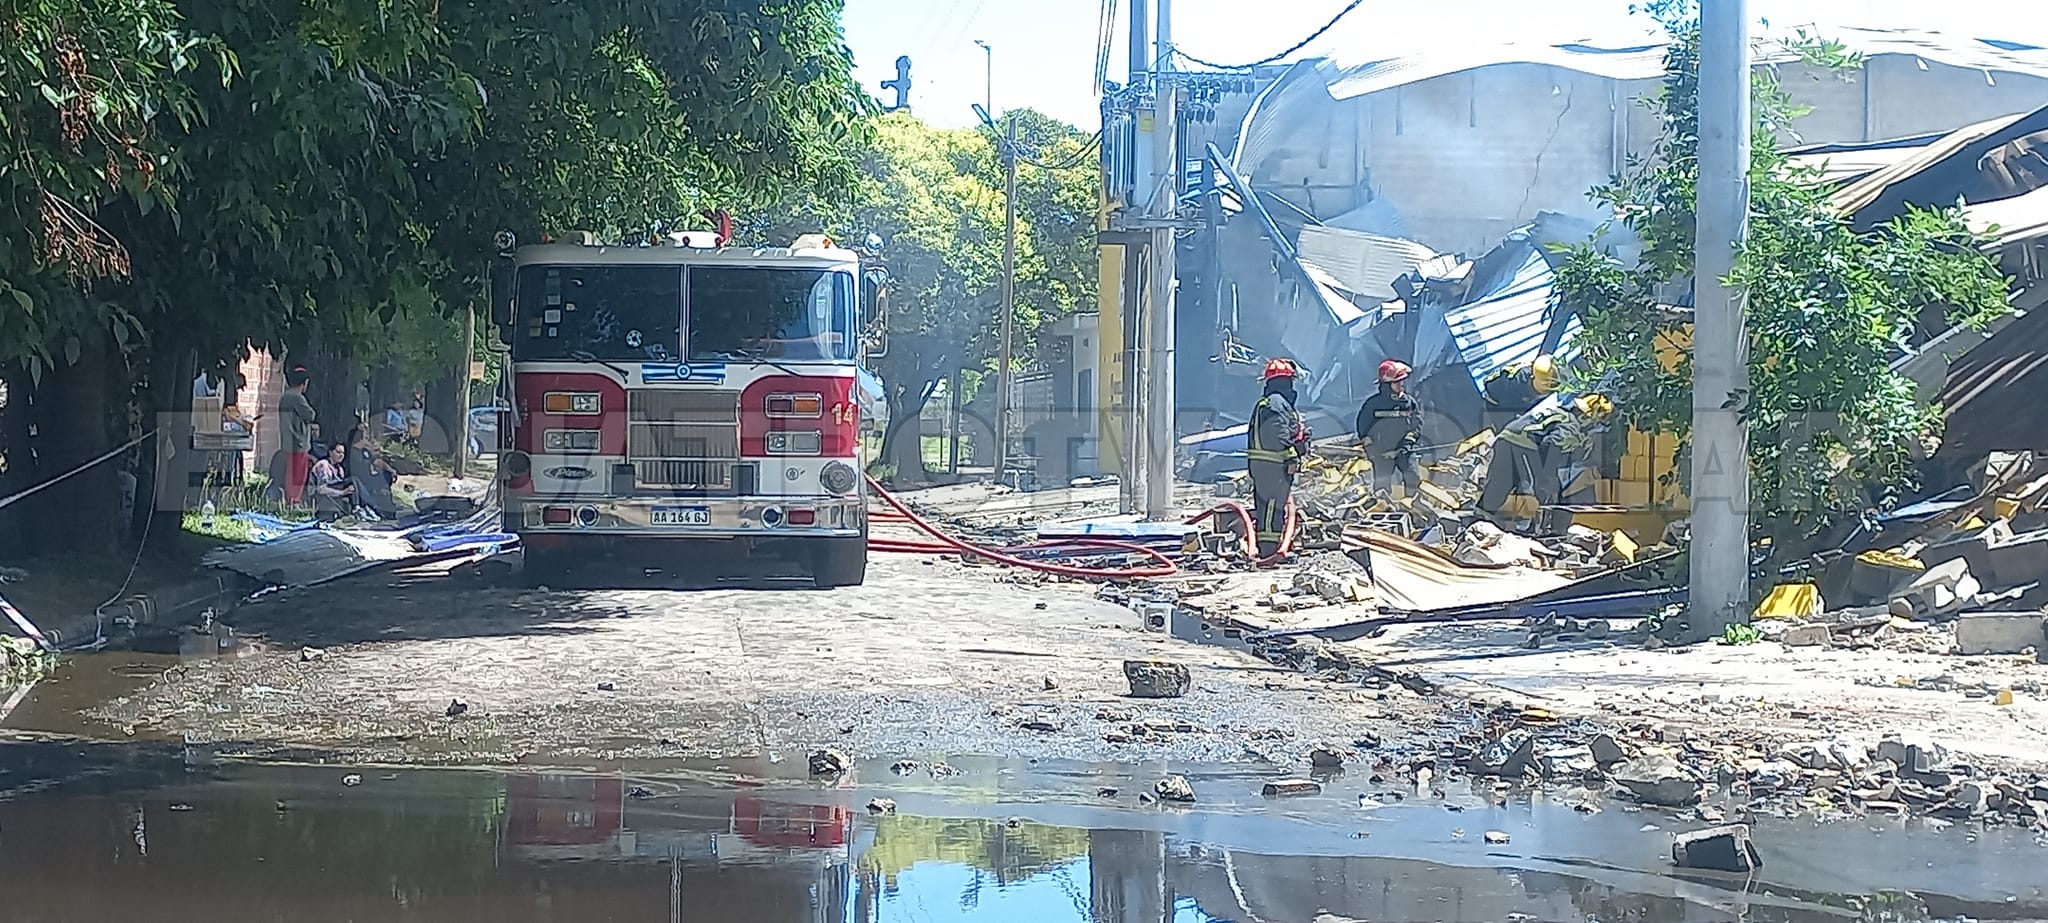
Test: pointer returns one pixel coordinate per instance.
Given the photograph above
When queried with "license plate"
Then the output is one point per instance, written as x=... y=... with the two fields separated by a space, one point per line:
x=681 y=516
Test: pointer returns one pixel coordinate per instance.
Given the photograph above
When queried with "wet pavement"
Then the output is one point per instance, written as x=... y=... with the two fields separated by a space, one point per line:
x=107 y=831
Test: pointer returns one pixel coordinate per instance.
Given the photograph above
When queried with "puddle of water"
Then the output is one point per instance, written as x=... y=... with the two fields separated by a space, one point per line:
x=118 y=831
x=59 y=703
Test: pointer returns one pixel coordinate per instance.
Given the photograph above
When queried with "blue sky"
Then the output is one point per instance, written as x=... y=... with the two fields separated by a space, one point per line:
x=1044 y=50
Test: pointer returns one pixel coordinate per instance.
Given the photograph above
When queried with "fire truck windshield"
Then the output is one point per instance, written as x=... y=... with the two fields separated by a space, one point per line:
x=739 y=313
x=629 y=313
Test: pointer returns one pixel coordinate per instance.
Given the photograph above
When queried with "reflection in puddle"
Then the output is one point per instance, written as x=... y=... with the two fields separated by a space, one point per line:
x=105 y=832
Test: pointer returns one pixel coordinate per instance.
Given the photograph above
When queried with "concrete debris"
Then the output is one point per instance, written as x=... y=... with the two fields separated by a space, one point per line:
x=905 y=767
x=1175 y=789
x=1658 y=779
x=1327 y=757
x=1727 y=848
x=1606 y=750
x=1496 y=838
x=1941 y=590
x=829 y=762
x=1487 y=545
x=1156 y=679
x=1979 y=633
x=1287 y=788
x=1912 y=753
x=311 y=655
x=1334 y=578
x=1506 y=755
x=882 y=806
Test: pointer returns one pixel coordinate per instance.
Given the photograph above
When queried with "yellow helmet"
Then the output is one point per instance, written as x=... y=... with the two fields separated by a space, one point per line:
x=1596 y=406
x=1543 y=374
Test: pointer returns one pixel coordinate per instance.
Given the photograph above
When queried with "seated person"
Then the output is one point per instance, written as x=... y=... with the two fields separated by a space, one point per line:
x=333 y=492
x=370 y=476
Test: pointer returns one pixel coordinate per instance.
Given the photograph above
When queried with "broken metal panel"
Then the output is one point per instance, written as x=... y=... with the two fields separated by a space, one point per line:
x=1362 y=264
x=1994 y=159
x=1506 y=325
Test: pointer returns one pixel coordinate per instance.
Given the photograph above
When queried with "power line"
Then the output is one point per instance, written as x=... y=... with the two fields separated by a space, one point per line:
x=1072 y=161
x=1297 y=46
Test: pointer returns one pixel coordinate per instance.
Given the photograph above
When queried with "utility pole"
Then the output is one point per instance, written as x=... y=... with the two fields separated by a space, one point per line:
x=1159 y=402
x=1131 y=479
x=1720 y=549
x=462 y=379
x=1003 y=370
x=988 y=109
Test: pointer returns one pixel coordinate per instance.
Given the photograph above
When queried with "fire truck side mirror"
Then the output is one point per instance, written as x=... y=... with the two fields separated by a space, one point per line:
x=502 y=296
x=874 y=285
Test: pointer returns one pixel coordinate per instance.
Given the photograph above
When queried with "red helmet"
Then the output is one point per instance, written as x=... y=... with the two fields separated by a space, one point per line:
x=1393 y=370
x=1279 y=368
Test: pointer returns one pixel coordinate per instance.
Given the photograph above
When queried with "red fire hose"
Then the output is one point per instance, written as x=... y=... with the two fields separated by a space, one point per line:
x=945 y=543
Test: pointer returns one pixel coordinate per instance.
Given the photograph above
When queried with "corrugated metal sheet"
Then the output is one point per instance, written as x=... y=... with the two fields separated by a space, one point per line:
x=1506 y=325
x=1865 y=192
x=1845 y=163
x=1352 y=75
x=1271 y=122
x=1331 y=293
x=2017 y=220
x=1359 y=263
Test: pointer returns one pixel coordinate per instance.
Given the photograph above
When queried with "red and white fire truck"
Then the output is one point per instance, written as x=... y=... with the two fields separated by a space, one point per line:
x=667 y=395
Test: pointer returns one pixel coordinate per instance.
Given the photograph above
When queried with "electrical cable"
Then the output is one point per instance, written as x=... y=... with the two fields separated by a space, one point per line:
x=1297 y=46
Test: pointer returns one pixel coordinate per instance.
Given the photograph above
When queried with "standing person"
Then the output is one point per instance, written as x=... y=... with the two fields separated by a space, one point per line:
x=296 y=416
x=1277 y=439
x=1390 y=425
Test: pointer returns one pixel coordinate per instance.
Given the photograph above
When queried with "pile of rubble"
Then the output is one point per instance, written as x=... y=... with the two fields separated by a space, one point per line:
x=1978 y=569
x=1711 y=777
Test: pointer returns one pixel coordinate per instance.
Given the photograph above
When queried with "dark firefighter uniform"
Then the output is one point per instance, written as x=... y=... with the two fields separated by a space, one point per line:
x=1527 y=456
x=1277 y=439
x=1390 y=427
x=1515 y=390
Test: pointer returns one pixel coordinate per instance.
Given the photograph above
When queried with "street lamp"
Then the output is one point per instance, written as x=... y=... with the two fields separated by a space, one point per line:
x=988 y=82
x=1008 y=140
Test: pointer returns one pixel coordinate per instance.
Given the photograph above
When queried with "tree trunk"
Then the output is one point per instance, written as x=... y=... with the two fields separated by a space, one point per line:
x=159 y=475
x=444 y=414
x=82 y=512
x=332 y=390
x=17 y=459
x=903 y=442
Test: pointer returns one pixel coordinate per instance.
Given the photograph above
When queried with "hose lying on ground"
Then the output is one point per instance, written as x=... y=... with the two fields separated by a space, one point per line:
x=1163 y=566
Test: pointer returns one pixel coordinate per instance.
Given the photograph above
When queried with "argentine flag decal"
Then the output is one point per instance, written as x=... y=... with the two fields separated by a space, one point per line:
x=712 y=373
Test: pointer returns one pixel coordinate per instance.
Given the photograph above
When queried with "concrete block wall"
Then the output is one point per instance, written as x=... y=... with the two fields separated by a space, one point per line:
x=1468 y=157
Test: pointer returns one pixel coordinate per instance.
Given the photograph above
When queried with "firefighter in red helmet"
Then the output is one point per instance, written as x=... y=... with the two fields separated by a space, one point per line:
x=1390 y=427
x=1276 y=442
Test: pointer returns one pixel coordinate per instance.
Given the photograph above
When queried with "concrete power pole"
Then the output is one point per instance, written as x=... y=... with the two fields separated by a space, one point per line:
x=1160 y=409
x=1004 y=373
x=1719 y=591
x=1131 y=476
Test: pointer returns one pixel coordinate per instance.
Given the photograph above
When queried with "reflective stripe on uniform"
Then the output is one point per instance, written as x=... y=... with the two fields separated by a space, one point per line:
x=1253 y=451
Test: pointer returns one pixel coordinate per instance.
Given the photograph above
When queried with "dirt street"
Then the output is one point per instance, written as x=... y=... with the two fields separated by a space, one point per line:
x=931 y=658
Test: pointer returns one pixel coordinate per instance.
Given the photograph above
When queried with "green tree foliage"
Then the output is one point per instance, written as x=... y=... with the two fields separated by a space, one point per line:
x=1833 y=429
x=187 y=176
x=935 y=198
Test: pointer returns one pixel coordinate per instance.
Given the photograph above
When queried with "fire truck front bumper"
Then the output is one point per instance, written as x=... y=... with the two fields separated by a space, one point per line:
x=781 y=517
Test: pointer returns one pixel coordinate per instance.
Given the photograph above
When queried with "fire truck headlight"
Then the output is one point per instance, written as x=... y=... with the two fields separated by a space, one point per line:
x=788 y=443
x=838 y=477
x=571 y=440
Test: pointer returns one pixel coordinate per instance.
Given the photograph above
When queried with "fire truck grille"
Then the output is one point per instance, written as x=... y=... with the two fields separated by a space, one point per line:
x=683 y=438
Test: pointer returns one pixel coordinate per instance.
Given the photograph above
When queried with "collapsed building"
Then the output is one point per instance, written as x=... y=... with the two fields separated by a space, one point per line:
x=1357 y=209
